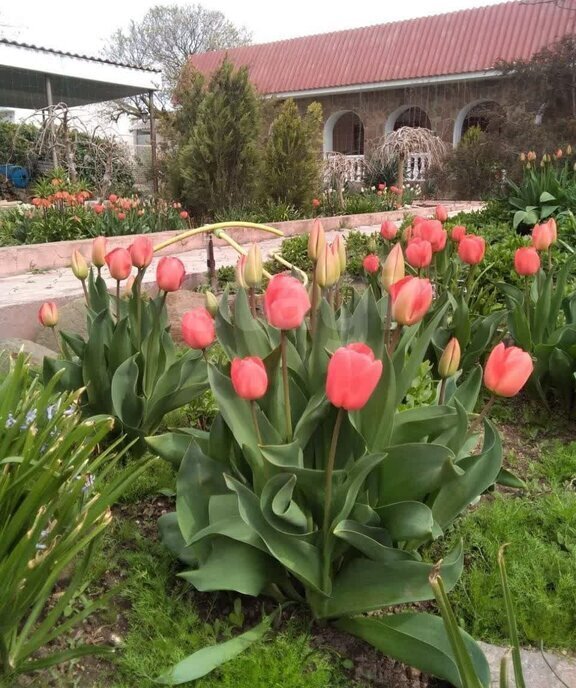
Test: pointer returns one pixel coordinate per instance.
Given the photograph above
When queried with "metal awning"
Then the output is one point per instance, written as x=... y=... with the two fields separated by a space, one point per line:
x=73 y=79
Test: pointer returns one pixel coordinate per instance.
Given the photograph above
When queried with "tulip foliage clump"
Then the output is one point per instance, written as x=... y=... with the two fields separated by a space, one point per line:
x=128 y=365
x=312 y=484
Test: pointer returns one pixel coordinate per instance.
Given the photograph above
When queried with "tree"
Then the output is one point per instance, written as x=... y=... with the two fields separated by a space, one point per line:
x=219 y=164
x=164 y=39
x=292 y=164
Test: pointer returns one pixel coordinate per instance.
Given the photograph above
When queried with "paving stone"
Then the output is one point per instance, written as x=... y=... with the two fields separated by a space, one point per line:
x=540 y=671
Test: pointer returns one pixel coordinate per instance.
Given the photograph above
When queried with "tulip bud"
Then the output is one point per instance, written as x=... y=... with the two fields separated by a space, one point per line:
x=211 y=303
x=388 y=230
x=372 y=245
x=327 y=268
x=568 y=149
x=240 y=263
x=48 y=314
x=316 y=241
x=393 y=269
x=79 y=266
x=526 y=261
x=314 y=286
x=99 y=252
x=441 y=213
x=198 y=329
x=170 y=273
x=253 y=267
x=141 y=252
x=249 y=377
x=522 y=157
x=339 y=249
x=558 y=154
x=450 y=359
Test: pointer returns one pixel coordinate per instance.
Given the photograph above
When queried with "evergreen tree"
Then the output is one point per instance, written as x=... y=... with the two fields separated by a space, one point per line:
x=292 y=159
x=219 y=164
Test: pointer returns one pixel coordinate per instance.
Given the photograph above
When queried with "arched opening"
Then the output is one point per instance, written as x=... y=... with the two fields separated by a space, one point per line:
x=344 y=133
x=407 y=116
x=487 y=115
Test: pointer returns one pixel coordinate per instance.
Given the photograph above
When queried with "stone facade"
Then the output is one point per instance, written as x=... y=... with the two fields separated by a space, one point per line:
x=445 y=104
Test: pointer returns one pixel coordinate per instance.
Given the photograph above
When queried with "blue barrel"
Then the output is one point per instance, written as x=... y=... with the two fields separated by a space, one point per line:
x=16 y=175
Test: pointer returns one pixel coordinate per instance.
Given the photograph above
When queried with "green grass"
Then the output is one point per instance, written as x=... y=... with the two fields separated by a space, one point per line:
x=541 y=559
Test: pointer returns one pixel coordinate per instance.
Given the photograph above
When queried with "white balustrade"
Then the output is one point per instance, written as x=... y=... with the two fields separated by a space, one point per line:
x=351 y=166
x=416 y=167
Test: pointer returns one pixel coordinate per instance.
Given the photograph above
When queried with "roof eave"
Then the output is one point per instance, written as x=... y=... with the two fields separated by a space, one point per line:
x=385 y=85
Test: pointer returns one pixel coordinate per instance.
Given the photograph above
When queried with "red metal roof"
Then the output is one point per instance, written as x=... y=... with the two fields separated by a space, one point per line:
x=458 y=42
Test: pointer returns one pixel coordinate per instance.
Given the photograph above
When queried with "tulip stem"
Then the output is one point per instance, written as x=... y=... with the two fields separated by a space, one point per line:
x=138 y=283
x=469 y=283
x=388 y=322
x=549 y=258
x=252 y=294
x=527 y=299
x=117 y=300
x=442 y=395
x=313 y=314
x=480 y=418
x=84 y=288
x=328 y=473
x=255 y=421
x=394 y=339
x=58 y=342
x=286 y=383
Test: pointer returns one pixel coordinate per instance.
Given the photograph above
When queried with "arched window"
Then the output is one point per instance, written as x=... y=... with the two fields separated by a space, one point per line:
x=344 y=133
x=484 y=114
x=407 y=116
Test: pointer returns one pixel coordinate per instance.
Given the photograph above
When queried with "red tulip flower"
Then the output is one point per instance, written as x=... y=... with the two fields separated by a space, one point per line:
x=198 y=329
x=119 y=263
x=141 y=252
x=418 y=220
x=112 y=198
x=526 y=261
x=419 y=253
x=48 y=314
x=98 y=208
x=183 y=214
x=170 y=273
x=432 y=231
x=388 y=230
x=411 y=300
x=315 y=203
x=381 y=187
x=371 y=263
x=471 y=249
x=352 y=376
x=507 y=370
x=441 y=213
x=458 y=233
x=286 y=302
x=249 y=377
x=543 y=236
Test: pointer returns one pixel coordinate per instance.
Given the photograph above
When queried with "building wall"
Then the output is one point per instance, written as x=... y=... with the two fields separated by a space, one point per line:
x=442 y=103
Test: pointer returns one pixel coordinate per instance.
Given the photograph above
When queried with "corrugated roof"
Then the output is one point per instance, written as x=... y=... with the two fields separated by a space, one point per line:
x=460 y=42
x=103 y=60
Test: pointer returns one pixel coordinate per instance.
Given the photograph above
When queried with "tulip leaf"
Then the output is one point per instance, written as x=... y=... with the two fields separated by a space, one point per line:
x=375 y=420
x=207 y=659
x=75 y=342
x=170 y=446
x=345 y=496
x=94 y=365
x=120 y=346
x=373 y=543
x=251 y=338
x=364 y=585
x=326 y=340
x=98 y=293
x=418 y=640
x=315 y=412
x=365 y=325
x=408 y=520
x=299 y=557
x=69 y=379
x=479 y=473
x=422 y=422
x=171 y=538
x=412 y=471
x=128 y=405
x=278 y=507
x=467 y=393
x=233 y=565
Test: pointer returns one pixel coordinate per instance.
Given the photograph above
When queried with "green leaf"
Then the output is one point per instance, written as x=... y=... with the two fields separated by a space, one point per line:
x=364 y=585
x=69 y=380
x=278 y=507
x=299 y=557
x=406 y=520
x=127 y=404
x=418 y=640
x=414 y=425
x=207 y=659
x=170 y=446
x=373 y=543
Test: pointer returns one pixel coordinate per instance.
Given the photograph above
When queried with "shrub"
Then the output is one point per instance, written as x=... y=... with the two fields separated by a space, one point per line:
x=220 y=162
x=55 y=498
x=292 y=165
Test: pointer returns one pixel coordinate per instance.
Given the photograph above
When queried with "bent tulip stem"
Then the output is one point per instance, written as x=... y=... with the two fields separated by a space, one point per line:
x=329 y=471
x=286 y=384
x=255 y=421
x=480 y=419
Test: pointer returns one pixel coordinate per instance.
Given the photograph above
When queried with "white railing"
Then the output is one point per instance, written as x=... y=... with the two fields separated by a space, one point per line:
x=350 y=167
x=416 y=167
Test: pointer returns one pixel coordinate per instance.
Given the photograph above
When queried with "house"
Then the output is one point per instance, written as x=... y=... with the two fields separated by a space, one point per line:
x=436 y=72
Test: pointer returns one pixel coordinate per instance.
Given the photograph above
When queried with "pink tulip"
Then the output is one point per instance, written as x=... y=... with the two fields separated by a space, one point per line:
x=141 y=252
x=471 y=249
x=198 y=328
x=99 y=252
x=170 y=273
x=48 y=314
x=432 y=231
x=352 y=376
x=411 y=300
x=441 y=213
x=526 y=261
x=388 y=230
x=458 y=233
x=543 y=236
x=371 y=263
x=419 y=253
x=507 y=370
x=286 y=302
x=119 y=263
x=249 y=377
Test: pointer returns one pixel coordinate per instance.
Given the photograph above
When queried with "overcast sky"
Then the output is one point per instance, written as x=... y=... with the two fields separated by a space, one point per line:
x=84 y=27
